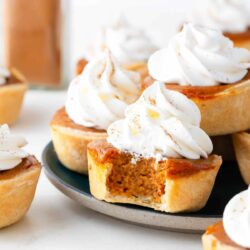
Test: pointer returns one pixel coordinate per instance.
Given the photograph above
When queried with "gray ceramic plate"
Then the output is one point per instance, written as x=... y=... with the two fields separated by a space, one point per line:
x=76 y=187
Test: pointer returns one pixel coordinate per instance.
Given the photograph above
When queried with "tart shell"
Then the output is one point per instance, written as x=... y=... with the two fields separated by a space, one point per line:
x=241 y=143
x=215 y=238
x=141 y=68
x=17 y=190
x=70 y=141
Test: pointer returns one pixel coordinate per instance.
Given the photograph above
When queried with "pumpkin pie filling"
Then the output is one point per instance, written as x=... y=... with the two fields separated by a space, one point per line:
x=199 y=92
x=147 y=177
x=80 y=66
x=217 y=230
x=61 y=118
x=240 y=37
x=26 y=163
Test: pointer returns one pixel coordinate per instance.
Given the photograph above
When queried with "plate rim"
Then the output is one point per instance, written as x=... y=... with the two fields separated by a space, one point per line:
x=197 y=224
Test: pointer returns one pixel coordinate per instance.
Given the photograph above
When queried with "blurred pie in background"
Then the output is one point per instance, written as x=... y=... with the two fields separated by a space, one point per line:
x=232 y=17
x=12 y=90
x=157 y=156
x=130 y=45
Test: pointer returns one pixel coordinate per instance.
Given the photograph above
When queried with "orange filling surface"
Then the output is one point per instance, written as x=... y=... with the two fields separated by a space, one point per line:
x=146 y=177
x=80 y=66
x=239 y=36
x=199 y=92
x=61 y=118
x=218 y=231
x=26 y=163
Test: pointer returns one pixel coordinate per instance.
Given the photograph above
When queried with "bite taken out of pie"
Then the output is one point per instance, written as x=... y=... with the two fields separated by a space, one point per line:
x=156 y=157
x=230 y=17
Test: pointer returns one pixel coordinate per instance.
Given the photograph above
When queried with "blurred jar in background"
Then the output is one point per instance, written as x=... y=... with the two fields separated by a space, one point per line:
x=35 y=40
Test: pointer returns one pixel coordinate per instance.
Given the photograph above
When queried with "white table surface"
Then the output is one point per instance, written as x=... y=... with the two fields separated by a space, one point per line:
x=56 y=222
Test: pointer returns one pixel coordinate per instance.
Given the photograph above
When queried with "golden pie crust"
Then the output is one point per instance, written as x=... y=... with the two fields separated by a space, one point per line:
x=241 y=143
x=215 y=238
x=11 y=96
x=173 y=185
x=223 y=108
x=70 y=141
x=17 y=190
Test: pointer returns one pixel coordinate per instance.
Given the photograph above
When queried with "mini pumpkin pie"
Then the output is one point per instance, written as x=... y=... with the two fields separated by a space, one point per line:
x=205 y=66
x=229 y=16
x=128 y=44
x=241 y=143
x=19 y=174
x=12 y=90
x=233 y=232
x=156 y=157
x=95 y=99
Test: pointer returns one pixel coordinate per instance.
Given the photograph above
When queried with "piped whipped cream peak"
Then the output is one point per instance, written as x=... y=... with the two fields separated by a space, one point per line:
x=101 y=93
x=11 y=152
x=230 y=16
x=4 y=75
x=199 y=56
x=161 y=124
x=236 y=219
x=128 y=44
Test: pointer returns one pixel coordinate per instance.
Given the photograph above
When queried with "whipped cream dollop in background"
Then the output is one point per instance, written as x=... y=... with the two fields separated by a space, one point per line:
x=236 y=219
x=128 y=44
x=11 y=152
x=232 y=16
x=161 y=124
x=199 y=56
x=101 y=93
x=4 y=75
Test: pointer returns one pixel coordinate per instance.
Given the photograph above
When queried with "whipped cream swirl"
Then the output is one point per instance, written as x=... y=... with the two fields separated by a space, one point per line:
x=232 y=16
x=236 y=219
x=11 y=152
x=4 y=75
x=200 y=57
x=161 y=124
x=128 y=44
x=101 y=93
